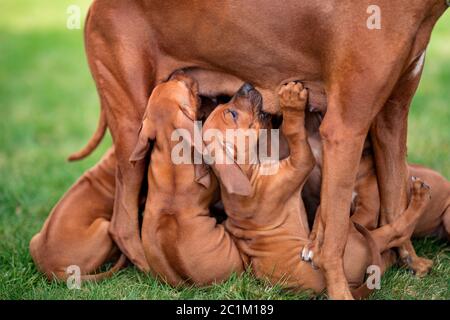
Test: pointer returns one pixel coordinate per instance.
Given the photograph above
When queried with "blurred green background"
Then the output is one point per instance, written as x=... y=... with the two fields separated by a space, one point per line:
x=49 y=108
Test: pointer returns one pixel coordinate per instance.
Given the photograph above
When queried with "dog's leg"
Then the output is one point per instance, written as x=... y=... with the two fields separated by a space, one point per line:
x=76 y=231
x=352 y=107
x=122 y=67
x=367 y=204
x=386 y=237
x=293 y=170
x=342 y=151
x=399 y=230
x=388 y=258
x=389 y=135
x=301 y=161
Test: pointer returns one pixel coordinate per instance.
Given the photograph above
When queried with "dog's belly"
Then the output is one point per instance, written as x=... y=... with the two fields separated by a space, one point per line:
x=215 y=83
x=244 y=43
x=267 y=45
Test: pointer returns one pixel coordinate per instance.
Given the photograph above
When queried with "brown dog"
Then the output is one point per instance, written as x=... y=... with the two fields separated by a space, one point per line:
x=265 y=212
x=133 y=46
x=76 y=231
x=182 y=242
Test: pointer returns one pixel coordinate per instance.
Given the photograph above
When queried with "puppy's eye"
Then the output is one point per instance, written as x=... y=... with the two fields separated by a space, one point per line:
x=233 y=113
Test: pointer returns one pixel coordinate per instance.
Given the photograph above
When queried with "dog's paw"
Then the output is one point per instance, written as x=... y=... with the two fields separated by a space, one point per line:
x=309 y=254
x=420 y=192
x=420 y=267
x=293 y=96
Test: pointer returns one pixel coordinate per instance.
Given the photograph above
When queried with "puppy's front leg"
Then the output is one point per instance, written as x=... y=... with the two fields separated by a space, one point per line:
x=301 y=161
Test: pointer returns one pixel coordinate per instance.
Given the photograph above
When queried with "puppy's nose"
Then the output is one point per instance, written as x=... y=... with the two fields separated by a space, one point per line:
x=245 y=89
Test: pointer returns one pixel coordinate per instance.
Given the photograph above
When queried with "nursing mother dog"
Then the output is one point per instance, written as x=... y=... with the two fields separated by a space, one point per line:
x=132 y=46
x=265 y=212
x=182 y=242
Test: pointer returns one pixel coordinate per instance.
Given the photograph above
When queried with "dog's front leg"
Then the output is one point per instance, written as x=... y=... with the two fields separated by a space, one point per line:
x=352 y=107
x=342 y=151
x=298 y=165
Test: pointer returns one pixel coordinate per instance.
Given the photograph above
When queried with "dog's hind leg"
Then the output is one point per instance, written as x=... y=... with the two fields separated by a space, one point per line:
x=388 y=259
x=389 y=132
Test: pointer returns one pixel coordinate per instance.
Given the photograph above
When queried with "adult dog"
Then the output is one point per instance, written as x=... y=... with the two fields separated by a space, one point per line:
x=366 y=77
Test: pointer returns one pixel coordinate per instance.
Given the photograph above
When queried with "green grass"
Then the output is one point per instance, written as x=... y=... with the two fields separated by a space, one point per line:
x=49 y=108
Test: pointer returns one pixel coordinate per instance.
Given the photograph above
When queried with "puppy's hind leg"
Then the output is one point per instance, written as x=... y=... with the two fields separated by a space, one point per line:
x=88 y=254
x=398 y=231
x=388 y=259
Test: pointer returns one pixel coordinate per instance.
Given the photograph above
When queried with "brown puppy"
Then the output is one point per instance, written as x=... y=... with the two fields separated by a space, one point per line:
x=76 y=231
x=435 y=221
x=265 y=211
x=182 y=242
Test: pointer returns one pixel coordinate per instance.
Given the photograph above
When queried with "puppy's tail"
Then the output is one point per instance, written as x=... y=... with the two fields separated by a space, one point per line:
x=104 y=275
x=94 y=141
x=363 y=291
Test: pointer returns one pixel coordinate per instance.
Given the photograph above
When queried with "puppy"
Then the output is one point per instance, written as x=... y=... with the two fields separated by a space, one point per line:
x=182 y=242
x=76 y=231
x=435 y=221
x=265 y=212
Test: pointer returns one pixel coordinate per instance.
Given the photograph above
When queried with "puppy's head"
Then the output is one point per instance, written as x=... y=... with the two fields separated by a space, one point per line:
x=172 y=105
x=244 y=111
x=240 y=119
x=188 y=102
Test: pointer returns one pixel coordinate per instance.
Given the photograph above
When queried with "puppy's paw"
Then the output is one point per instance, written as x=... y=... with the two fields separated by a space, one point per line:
x=293 y=96
x=420 y=192
x=310 y=254
x=420 y=267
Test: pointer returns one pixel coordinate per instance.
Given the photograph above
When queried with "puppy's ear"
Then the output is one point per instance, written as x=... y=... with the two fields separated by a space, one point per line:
x=194 y=87
x=234 y=179
x=189 y=81
x=202 y=175
x=202 y=170
x=146 y=133
x=189 y=111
